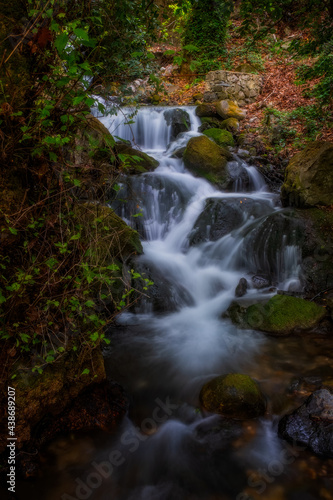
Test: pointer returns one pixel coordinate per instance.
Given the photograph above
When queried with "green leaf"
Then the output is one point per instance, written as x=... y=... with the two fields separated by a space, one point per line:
x=61 y=41
x=86 y=371
x=90 y=303
x=80 y=33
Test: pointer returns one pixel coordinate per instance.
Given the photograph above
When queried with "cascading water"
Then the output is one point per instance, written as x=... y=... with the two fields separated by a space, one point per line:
x=198 y=242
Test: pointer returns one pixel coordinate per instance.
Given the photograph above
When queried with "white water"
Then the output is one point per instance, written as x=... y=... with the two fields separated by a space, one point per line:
x=179 y=350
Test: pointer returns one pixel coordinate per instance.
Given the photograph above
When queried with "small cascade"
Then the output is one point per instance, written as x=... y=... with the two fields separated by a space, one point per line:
x=198 y=243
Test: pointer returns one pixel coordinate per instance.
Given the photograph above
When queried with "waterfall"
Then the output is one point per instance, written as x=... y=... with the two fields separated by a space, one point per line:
x=198 y=242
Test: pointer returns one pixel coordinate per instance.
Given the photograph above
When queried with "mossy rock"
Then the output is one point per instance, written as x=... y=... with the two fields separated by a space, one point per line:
x=205 y=158
x=221 y=137
x=281 y=315
x=230 y=124
x=309 y=177
x=206 y=110
x=234 y=395
x=137 y=162
x=230 y=109
x=110 y=237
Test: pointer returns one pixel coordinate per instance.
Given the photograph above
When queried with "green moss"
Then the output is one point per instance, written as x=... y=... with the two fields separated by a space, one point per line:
x=233 y=395
x=283 y=314
x=221 y=137
x=231 y=124
x=205 y=158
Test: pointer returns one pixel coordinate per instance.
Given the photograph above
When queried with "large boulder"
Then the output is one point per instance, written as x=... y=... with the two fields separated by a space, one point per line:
x=205 y=158
x=221 y=137
x=221 y=216
x=281 y=315
x=234 y=395
x=311 y=425
x=230 y=109
x=309 y=177
x=180 y=121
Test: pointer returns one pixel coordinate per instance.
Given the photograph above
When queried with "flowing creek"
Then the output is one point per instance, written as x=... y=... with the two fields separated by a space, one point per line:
x=165 y=348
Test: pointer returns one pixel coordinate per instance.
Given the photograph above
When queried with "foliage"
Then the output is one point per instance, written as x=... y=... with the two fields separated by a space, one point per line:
x=60 y=284
x=315 y=18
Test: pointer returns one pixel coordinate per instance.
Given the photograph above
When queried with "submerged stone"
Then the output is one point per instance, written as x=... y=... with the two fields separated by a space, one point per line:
x=234 y=395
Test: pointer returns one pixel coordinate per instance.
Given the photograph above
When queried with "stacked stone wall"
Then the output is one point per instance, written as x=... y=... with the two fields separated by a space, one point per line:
x=241 y=87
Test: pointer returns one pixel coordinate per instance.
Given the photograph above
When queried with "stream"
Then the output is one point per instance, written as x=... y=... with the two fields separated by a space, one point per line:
x=175 y=339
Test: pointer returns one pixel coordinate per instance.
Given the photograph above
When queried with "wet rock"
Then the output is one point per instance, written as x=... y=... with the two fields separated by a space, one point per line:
x=221 y=137
x=179 y=153
x=265 y=243
x=311 y=425
x=259 y=282
x=205 y=158
x=163 y=296
x=234 y=395
x=221 y=216
x=241 y=288
x=179 y=120
x=281 y=315
x=309 y=177
x=230 y=109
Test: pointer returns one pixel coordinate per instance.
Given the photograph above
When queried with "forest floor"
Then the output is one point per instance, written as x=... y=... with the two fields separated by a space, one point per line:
x=281 y=94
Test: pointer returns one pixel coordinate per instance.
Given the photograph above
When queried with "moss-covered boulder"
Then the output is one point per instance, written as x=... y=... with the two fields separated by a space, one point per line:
x=136 y=162
x=109 y=236
x=234 y=395
x=309 y=177
x=281 y=315
x=230 y=109
x=230 y=124
x=221 y=137
x=205 y=158
x=206 y=110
